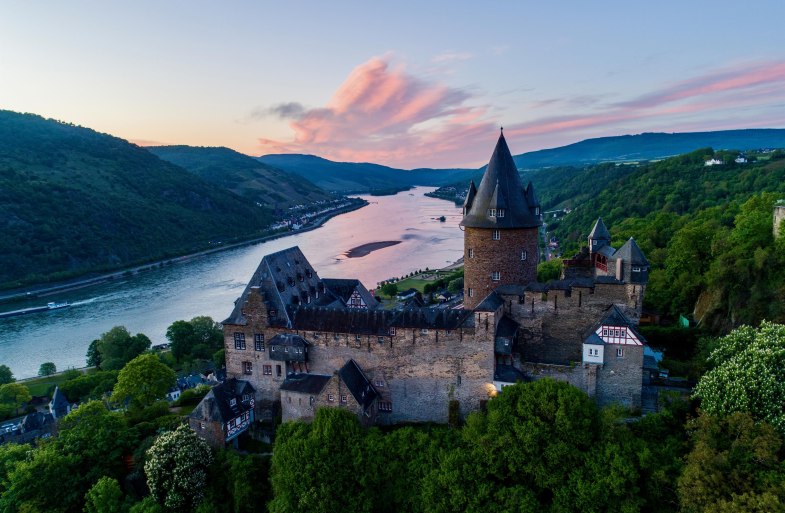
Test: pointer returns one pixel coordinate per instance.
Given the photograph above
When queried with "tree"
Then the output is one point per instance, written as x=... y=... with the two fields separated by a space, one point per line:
x=105 y=496
x=94 y=354
x=14 y=395
x=6 y=376
x=198 y=338
x=389 y=289
x=47 y=369
x=143 y=381
x=117 y=347
x=749 y=375
x=176 y=469
x=550 y=270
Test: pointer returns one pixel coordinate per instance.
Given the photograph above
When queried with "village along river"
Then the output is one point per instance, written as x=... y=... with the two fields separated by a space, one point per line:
x=208 y=285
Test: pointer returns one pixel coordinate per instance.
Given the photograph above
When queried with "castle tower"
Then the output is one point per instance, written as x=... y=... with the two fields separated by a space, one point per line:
x=599 y=236
x=501 y=219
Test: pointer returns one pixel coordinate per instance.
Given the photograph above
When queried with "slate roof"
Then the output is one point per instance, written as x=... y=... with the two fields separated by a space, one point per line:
x=613 y=317
x=59 y=401
x=36 y=420
x=508 y=374
x=600 y=232
x=343 y=288
x=305 y=383
x=631 y=253
x=606 y=251
x=217 y=404
x=501 y=188
x=375 y=322
x=288 y=339
x=360 y=387
x=491 y=303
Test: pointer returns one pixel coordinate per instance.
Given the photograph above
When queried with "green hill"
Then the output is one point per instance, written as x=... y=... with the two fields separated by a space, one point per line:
x=649 y=146
x=243 y=175
x=346 y=177
x=74 y=201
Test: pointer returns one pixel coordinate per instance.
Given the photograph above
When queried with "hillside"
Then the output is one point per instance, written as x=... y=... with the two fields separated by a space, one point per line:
x=345 y=177
x=243 y=175
x=649 y=146
x=74 y=201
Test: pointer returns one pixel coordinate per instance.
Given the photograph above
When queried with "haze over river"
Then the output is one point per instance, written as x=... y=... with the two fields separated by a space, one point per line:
x=208 y=285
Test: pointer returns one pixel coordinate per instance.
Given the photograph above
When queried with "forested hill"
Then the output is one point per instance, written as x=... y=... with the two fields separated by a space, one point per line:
x=73 y=201
x=243 y=175
x=649 y=146
x=347 y=177
x=707 y=230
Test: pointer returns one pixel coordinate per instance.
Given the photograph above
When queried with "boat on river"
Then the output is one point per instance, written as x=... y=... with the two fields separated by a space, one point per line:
x=36 y=309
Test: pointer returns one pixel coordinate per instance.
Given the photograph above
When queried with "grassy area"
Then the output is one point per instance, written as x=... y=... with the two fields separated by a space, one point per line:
x=40 y=386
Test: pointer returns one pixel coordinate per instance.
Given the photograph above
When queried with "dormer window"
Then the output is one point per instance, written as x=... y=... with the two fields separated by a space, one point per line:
x=536 y=211
x=491 y=212
x=500 y=212
x=636 y=269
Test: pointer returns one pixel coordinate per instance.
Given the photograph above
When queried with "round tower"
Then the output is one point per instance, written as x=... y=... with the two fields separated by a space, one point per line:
x=501 y=221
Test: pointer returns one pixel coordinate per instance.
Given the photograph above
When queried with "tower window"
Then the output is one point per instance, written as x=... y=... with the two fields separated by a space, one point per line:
x=536 y=211
x=497 y=235
x=620 y=352
x=470 y=253
x=500 y=212
x=471 y=292
x=491 y=212
x=523 y=255
x=496 y=275
x=239 y=341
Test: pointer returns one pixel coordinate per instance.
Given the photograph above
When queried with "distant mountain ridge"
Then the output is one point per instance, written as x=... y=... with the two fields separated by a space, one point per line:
x=650 y=146
x=243 y=175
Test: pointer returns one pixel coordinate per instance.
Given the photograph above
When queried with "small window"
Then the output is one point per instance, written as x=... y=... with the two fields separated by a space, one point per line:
x=380 y=340
x=496 y=276
x=330 y=398
x=344 y=399
x=239 y=341
x=619 y=352
x=357 y=338
x=491 y=212
x=470 y=253
x=311 y=400
x=604 y=333
x=385 y=406
x=471 y=292
x=424 y=331
x=636 y=269
x=496 y=235
x=392 y=330
x=500 y=212
x=247 y=368
x=458 y=380
x=523 y=255
x=233 y=402
x=536 y=211
x=258 y=341
x=267 y=370
x=378 y=382
x=278 y=370
x=201 y=425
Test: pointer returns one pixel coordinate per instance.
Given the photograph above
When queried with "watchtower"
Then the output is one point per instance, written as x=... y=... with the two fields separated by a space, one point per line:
x=501 y=220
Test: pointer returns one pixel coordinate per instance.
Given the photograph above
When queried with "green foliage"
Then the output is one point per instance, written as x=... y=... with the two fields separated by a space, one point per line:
x=198 y=338
x=735 y=465
x=749 y=375
x=192 y=396
x=93 y=354
x=6 y=376
x=550 y=270
x=219 y=358
x=143 y=381
x=117 y=347
x=231 y=489
x=389 y=289
x=455 y=286
x=14 y=395
x=80 y=201
x=94 y=385
x=47 y=369
x=105 y=496
x=454 y=413
x=176 y=468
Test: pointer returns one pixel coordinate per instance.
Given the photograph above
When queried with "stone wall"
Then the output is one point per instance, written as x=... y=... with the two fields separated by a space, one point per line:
x=503 y=255
x=620 y=379
x=210 y=432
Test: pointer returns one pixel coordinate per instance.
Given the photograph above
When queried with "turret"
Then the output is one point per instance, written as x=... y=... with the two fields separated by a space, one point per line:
x=599 y=236
x=501 y=220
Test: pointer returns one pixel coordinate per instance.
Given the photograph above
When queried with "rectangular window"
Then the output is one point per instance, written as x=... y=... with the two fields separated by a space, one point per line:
x=330 y=398
x=604 y=333
x=385 y=406
x=491 y=212
x=523 y=255
x=247 y=367
x=471 y=292
x=380 y=340
x=497 y=235
x=258 y=341
x=278 y=370
x=343 y=399
x=267 y=370
x=619 y=352
x=232 y=402
x=470 y=253
x=378 y=382
x=496 y=275
x=392 y=330
x=239 y=340
x=357 y=338
x=500 y=212
x=636 y=269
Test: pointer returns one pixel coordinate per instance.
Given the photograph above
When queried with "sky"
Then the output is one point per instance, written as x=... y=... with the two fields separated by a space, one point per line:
x=406 y=84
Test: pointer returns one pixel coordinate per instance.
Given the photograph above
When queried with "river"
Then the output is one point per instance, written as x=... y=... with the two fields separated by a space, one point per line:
x=148 y=303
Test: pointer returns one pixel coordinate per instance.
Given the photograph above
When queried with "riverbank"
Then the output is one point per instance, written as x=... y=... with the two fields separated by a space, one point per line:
x=367 y=249
x=41 y=291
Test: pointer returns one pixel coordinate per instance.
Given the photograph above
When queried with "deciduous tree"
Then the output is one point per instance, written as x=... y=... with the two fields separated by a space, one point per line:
x=117 y=347
x=47 y=369
x=143 y=381
x=6 y=376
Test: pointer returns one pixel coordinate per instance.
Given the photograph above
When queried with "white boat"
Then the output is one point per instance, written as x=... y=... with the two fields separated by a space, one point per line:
x=53 y=306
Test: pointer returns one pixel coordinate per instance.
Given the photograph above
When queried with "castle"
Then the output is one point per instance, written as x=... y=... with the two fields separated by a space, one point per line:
x=305 y=342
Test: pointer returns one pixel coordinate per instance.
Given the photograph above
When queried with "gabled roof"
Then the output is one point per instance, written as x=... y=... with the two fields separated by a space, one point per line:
x=501 y=183
x=305 y=383
x=631 y=253
x=600 y=232
x=491 y=303
x=360 y=387
x=59 y=401
x=217 y=404
x=614 y=317
x=343 y=288
x=288 y=339
x=36 y=420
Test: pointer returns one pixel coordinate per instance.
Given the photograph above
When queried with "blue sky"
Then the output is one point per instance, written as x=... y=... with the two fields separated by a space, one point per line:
x=406 y=84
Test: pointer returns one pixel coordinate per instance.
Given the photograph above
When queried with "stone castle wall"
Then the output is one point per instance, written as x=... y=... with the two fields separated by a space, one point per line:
x=619 y=379
x=503 y=255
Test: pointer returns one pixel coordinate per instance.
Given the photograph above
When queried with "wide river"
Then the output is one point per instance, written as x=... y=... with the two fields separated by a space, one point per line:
x=208 y=285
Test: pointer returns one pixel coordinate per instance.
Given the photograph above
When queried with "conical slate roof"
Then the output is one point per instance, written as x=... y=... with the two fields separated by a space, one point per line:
x=630 y=252
x=600 y=232
x=501 y=185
